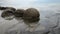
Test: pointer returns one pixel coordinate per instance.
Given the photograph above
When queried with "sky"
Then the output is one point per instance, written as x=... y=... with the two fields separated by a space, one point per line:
x=29 y=3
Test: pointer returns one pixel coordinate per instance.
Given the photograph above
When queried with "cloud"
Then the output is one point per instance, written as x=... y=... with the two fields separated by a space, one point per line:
x=46 y=4
x=17 y=3
x=48 y=1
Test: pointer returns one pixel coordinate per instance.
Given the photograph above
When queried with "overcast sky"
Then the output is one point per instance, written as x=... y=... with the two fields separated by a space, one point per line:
x=30 y=3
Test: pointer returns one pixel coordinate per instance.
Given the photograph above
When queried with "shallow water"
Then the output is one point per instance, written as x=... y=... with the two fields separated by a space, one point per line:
x=48 y=19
